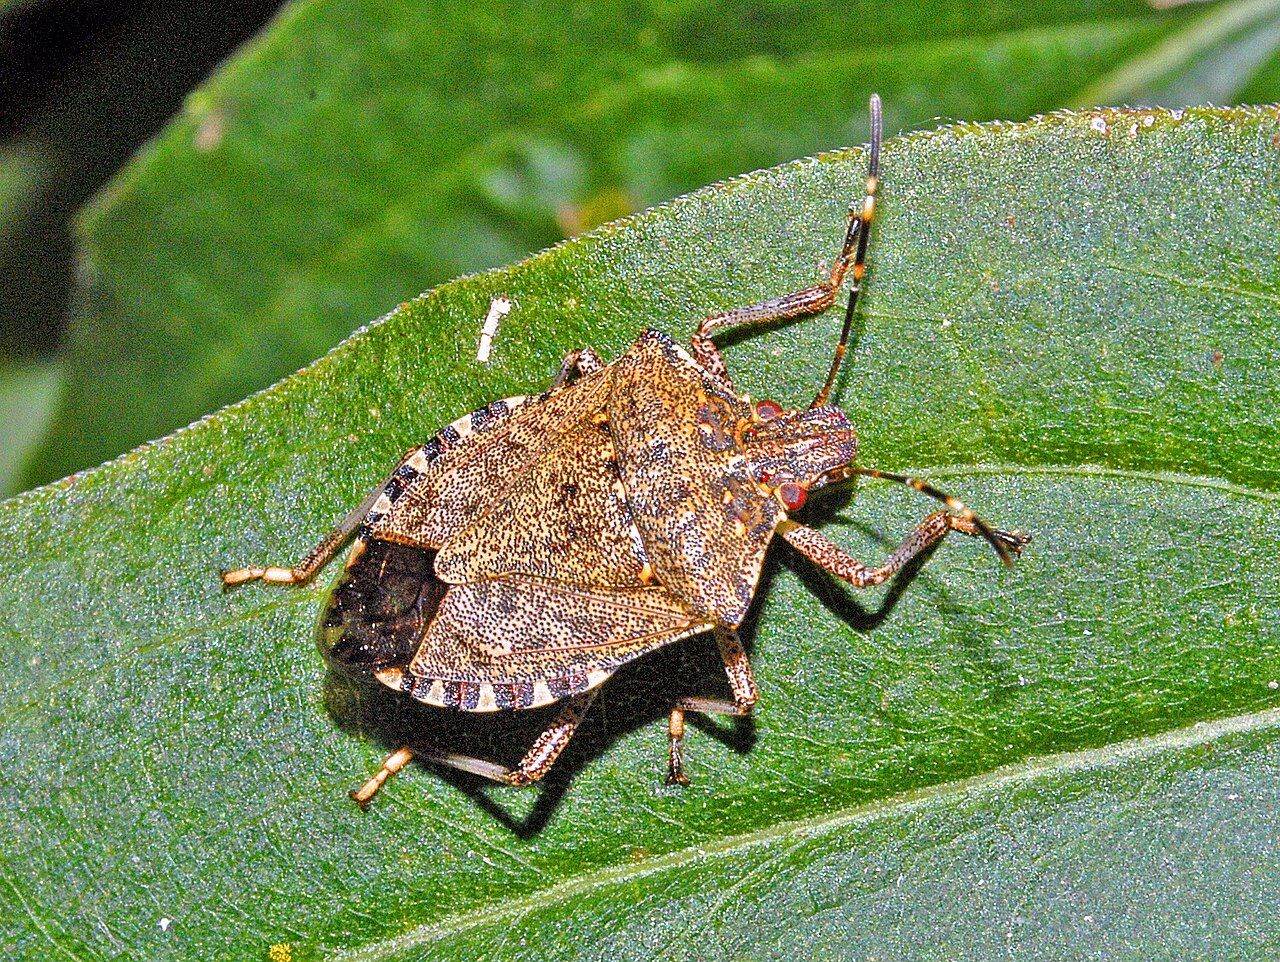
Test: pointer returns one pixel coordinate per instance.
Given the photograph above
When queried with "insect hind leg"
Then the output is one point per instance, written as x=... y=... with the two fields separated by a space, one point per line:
x=322 y=553
x=537 y=761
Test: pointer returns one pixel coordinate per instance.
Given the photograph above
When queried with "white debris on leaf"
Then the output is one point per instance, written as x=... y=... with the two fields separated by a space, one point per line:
x=165 y=923
x=499 y=308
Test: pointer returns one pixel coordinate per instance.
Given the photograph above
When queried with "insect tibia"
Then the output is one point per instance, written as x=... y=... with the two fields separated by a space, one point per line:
x=271 y=575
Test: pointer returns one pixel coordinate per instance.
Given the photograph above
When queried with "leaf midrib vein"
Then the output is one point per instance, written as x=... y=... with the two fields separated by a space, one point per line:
x=1115 y=753
x=1194 y=283
x=1099 y=471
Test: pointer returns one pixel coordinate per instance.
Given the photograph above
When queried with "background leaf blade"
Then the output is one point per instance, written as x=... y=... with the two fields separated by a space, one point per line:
x=370 y=169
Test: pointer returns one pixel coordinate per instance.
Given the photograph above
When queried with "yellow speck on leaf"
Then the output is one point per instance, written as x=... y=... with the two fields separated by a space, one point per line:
x=280 y=953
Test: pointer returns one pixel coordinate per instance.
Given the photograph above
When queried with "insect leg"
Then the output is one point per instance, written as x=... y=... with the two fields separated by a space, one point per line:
x=395 y=761
x=675 y=749
x=321 y=554
x=576 y=364
x=542 y=755
x=537 y=760
x=745 y=695
x=822 y=552
x=811 y=300
x=1007 y=544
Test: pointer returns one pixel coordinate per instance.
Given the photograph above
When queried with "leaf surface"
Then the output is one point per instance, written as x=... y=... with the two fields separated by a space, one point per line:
x=1072 y=323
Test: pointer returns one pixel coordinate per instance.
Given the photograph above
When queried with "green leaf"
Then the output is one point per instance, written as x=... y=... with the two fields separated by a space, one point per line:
x=358 y=153
x=1096 y=854
x=1072 y=323
x=28 y=393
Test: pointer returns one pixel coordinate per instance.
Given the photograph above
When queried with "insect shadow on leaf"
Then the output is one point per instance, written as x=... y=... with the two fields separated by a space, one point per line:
x=362 y=613
x=534 y=548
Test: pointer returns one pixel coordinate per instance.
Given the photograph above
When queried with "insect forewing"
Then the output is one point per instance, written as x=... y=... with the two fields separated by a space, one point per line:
x=564 y=517
x=464 y=467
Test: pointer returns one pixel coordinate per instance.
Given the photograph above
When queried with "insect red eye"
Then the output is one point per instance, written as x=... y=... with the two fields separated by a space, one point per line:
x=792 y=496
x=768 y=410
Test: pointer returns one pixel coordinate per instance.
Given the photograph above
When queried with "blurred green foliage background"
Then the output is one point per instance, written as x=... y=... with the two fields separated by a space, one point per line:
x=266 y=219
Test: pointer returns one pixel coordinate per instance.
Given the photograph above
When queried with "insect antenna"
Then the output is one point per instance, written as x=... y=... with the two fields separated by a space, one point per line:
x=1005 y=544
x=855 y=243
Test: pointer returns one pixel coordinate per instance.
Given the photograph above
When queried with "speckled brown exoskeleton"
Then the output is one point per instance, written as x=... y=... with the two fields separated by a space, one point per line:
x=540 y=543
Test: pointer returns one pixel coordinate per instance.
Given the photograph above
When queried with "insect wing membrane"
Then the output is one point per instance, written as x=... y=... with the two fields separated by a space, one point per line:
x=512 y=643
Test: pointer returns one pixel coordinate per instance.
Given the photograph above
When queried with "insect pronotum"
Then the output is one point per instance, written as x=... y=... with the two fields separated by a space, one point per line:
x=533 y=547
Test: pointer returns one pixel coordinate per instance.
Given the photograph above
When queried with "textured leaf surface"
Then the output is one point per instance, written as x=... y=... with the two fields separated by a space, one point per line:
x=359 y=153
x=1073 y=323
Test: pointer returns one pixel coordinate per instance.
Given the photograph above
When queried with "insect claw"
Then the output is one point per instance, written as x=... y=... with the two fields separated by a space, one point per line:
x=362 y=796
x=1003 y=548
x=1015 y=540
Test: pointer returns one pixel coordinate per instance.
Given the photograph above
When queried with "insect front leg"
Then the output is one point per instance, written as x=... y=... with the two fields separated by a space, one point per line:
x=811 y=300
x=321 y=554
x=745 y=694
x=575 y=365
x=825 y=554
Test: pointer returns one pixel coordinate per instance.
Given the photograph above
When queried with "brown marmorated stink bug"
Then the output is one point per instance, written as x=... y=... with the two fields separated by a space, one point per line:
x=545 y=541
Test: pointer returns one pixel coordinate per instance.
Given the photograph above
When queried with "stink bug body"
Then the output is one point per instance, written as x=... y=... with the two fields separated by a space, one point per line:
x=533 y=547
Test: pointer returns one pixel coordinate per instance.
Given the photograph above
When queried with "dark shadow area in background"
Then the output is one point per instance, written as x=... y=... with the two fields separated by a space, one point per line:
x=83 y=84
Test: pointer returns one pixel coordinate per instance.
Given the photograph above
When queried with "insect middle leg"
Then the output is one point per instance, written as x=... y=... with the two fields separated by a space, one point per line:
x=537 y=761
x=811 y=300
x=745 y=694
x=821 y=551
